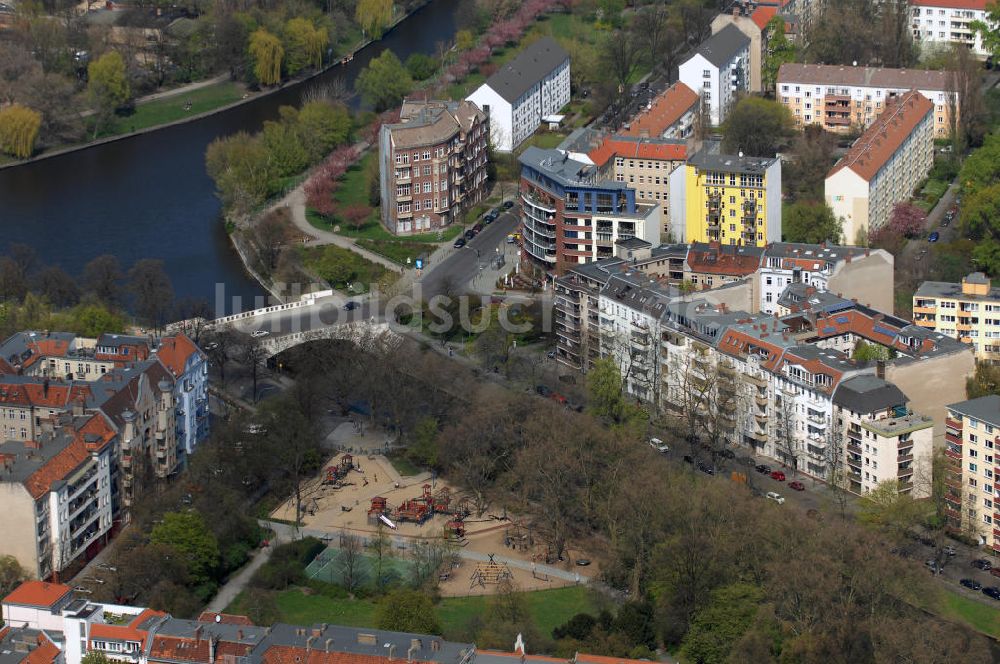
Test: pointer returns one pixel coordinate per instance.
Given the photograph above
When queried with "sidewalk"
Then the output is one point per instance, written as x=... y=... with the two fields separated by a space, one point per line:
x=484 y=282
x=239 y=581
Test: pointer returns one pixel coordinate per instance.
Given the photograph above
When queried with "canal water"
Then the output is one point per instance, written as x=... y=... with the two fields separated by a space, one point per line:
x=149 y=196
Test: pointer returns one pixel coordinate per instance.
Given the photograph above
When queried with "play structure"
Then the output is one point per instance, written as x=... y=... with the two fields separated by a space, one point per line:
x=420 y=509
x=490 y=573
x=337 y=472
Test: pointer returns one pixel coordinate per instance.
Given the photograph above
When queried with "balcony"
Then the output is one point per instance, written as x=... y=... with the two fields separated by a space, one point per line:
x=536 y=202
x=931 y=311
x=755 y=379
x=854 y=448
x=838 y=120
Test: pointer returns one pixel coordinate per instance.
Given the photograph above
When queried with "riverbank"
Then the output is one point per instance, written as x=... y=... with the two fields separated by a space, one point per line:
x=245 y=99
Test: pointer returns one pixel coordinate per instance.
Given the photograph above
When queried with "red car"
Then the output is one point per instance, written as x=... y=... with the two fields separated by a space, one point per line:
x=797 y=486
x=778 y=475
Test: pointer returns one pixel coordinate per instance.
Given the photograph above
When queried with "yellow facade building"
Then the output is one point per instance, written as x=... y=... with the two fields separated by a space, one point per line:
x=731 y=199
x=969 y=312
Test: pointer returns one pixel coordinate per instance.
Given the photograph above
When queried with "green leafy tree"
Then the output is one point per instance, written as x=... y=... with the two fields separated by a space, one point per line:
x=604 y=387
x=981 y=168
x=374 y=16
x=721 y=624
x=284 y=144
x=304 y=45
x=464 y=40
x=424 y=449
x=779 y=51
x=421 y=66
x=268 y=55
x=189 y=535
x=241 y=168
x=988 y=30
x=323 y=125
x=757 y=127
x=107 y=87
x=384 y=82
x=886 y=508
x=11 y=574
x=19 y=127
x=810 y=222
x=95 y=657
x=405 y=610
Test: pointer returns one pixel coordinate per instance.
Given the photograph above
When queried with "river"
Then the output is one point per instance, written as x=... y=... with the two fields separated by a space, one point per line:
x=149 y=196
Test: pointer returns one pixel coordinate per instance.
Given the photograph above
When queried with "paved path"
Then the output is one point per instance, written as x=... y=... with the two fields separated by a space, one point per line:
x=190 y=87
x=555 y=572
x=239 y=581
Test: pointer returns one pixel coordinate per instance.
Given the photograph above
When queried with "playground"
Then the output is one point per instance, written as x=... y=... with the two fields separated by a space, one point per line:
x=362 y=494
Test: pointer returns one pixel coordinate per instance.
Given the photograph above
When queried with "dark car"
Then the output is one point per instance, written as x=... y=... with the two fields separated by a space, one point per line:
x=351 y=306
x=705 y=468
x=797 y=486
x=934 y=237
x=688 y=459
x=983 y=564
x=459 y=243
x=971 y=584
x=477 y=229
x=727 y=454
x=763 y=469
x=992 y=591
x=469 y=234
x=543 y=390
x=508 y=205
x=488 y=219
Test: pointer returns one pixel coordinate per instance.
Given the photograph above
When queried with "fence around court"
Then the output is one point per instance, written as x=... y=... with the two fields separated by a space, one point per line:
x=329 y=566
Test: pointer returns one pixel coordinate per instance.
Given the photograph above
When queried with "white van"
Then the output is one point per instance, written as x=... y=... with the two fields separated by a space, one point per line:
x=776 y=497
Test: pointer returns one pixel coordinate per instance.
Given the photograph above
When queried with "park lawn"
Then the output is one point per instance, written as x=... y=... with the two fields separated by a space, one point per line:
x=170 y=109
x=341 y=267
x=984 y=618
x=298 y=608
x=548 y=608
x=398 y=251
x=403 y=466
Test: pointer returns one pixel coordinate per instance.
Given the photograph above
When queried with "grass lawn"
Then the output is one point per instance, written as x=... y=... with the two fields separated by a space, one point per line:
x=398 y=250
x=931 y=194
x=341 y=267
x=170 y=109
x=980 y=616
x=403 y=466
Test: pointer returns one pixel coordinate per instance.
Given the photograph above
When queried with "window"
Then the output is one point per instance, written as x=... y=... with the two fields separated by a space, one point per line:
x=706 y=73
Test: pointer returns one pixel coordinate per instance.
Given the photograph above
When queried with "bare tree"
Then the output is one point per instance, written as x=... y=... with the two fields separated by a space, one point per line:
x=786 y=441
x=380 y=546
x=349 y=560
x=253 y=356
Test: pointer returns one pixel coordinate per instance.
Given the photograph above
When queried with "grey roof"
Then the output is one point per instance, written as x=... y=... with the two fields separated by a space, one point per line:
x=633 y=243
x=721 y=47
x=986 y=409
x=27 y=456
x=954 y=290
x=232 y=633
x=708 y=160
x=19 y=642
x=16 y=349
x=868 y=394
x=806 y=298
x=363 y=641
x=565 y=170
x=827 y=253
x=529 y=67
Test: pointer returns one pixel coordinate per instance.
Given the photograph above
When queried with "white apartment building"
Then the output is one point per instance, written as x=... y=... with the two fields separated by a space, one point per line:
x=530 y=87
x=941 y=23
x=843 y=99
x=972 y=437
x=883 y=167
x=719 y=70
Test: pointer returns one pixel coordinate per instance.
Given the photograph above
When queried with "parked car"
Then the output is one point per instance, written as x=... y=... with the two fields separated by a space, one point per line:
x=727 y=454
x=82 y=590
x=776 y=497
x=508 y=205
x=351 y=306
x=971 y=584
x=510 y=238
x=211 y=346
x=543 y=390
x=763 y=469
x=992 y=591
x=477 y=229
x=934 y=237
x=707 y=469
x=459 y=243
x=778 y=475
x=558 y=398
x=256 y=334
x=469 y=234
x=659 y=445
x=983 y=564
x=949 y=551
x=995 y=572
x=688 y=459
x=796 y=486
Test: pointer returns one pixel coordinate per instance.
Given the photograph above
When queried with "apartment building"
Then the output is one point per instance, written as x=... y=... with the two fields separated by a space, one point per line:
x=59 y=490
x=644 y=164
x=968 y=312
x=188 y=366
x=532 y=86
x=571 y=214
x=943 y=23
x=863 y=274
x=719 y=70
x=971 y=441
x=713 y=264
x=752 y=21
x=433 y=165
x=883 y=167
x=843 y=99
x=732 y=199
x=671 y=114
x=786 y=385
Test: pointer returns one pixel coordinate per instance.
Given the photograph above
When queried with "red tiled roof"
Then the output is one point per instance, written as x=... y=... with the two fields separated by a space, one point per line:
x=45 y=653
x=951 y=4
x=190 y=649
x=129 y=632
x=763 y=15
x=665 y=111
x=70 y=458
x=637 y=149
x=224 y=618
x=175 y=351
x=583 y=658
x=517 y=655
x=889 y=131
x=27 y=394
x=716 y=260
x=295 y=655
x=37 y=593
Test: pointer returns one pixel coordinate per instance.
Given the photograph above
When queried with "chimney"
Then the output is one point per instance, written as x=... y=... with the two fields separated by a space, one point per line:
x=392 y=651
x=197 y=634
x=309 y=643
x=45 y=388
x=212 y=641
x=326 y=645
x=239 y=635
x=880 y=369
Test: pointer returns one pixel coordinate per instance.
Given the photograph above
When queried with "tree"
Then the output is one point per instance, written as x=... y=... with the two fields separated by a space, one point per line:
x=18 y=130
x=811 y=223
x=267 y=54
x=356 y=215
x=757 y=127
x=621 y=55
x=350 y=560
x=812 y=155
x=102 y=277
x=54 y=97
x=152 y=292
x=189 y=535
x=987 y=30
x=380 y=546
x=107 y=87
x=242 y=169
x=981 y=168
x=907 y=220
x=58 y=287
x=374 y=16
x=11 y=574
x=886 y=508
x=421 y=66
x=779 y=51
x=717 y=627
x=284 y=145
x=384 y=82
x=95 y=657
x=404 y=610
x=306 y=44
x=604 y=388
x=322 y=126
x=254 y=356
